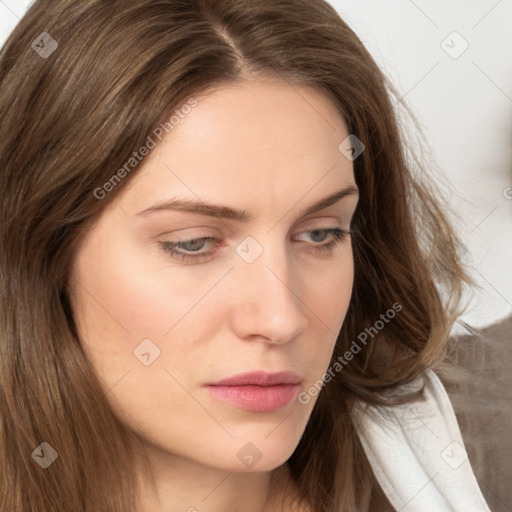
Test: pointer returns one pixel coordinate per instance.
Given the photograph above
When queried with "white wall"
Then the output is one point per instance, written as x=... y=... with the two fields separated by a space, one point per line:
x=465 y=106
x=464 y=103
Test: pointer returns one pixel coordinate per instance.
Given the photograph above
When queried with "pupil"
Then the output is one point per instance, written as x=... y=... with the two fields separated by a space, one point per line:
x=315 y=233
x=193 y=244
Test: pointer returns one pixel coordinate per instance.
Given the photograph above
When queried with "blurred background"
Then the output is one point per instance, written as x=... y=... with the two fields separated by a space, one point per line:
x=451 y=61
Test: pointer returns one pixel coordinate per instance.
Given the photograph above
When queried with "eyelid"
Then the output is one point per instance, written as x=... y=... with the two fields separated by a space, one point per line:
x=202 y=233
x=324 y=222
x=338 y=236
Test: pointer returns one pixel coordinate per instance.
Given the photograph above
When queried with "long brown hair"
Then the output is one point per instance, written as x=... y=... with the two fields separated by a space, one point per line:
x=83 y=84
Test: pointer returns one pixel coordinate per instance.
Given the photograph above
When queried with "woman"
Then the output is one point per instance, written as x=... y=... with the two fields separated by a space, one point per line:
x=215 y=253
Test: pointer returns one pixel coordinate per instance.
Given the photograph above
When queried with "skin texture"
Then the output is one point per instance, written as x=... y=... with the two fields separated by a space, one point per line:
x=271 y=150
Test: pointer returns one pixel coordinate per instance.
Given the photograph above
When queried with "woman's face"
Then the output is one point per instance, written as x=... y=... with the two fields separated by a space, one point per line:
x=266 y=293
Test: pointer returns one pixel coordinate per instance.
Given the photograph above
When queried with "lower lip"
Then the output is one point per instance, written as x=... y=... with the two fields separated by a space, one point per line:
x=257 y=398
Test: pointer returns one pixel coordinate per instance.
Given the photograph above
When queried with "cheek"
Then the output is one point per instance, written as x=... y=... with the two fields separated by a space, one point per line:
x=328 y=292
x=115 y=307
x=326 y=299
x=124 y=311
x=122 y=298
x=126 y=298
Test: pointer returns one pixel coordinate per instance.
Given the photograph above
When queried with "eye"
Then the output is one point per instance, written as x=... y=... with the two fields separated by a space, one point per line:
x=336 y=236
x=190 y=250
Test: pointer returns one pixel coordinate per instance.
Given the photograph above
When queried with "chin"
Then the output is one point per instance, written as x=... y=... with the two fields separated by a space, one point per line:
x=261 y=454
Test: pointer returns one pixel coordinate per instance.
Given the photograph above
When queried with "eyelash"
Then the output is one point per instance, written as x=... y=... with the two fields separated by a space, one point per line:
x=340 y=235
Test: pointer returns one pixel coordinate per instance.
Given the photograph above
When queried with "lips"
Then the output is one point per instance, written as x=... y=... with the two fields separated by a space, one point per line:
x=257 y=391
x=260 y=378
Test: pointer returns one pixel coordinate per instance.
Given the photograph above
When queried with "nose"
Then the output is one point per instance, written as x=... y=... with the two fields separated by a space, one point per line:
x=267 y=301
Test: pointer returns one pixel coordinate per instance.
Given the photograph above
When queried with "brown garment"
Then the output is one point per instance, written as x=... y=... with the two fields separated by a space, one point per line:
x=482 y=401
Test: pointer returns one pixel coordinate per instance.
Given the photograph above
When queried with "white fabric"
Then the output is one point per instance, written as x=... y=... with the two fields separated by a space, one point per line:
x=418 y=455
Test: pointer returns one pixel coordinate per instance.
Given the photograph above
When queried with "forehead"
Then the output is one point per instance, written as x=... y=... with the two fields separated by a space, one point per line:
x=257 y=139
x=256 y=115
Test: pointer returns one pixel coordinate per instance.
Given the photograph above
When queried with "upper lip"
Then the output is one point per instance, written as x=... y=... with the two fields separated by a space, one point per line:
x=260 y=378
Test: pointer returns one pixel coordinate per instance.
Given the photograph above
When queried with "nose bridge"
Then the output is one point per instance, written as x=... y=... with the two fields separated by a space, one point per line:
x=268 y=289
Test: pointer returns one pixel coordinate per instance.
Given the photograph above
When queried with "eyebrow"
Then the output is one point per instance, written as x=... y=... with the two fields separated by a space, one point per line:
x=225 y=212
